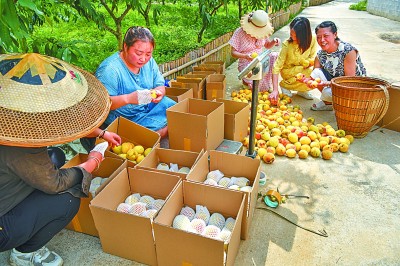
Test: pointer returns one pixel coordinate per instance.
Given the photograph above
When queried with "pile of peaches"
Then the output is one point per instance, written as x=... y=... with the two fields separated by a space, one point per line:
x=282 y=130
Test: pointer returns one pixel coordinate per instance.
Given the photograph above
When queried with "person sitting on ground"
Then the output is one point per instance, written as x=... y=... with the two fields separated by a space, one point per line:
x=335 y=59
x=135 y=83
x=296 y=56
x=250 y=40
x=56 y=103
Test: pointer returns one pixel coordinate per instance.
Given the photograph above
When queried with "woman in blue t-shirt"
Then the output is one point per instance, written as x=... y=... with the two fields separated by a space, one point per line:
x=134 y=82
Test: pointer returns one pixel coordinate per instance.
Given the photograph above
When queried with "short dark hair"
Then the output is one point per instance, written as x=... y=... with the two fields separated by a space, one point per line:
x=327 y=24
x=137 y=33
x=302 y=28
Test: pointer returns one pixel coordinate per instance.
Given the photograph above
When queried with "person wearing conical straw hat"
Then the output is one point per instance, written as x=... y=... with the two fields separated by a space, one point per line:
x=44 y=101
x=251 y=39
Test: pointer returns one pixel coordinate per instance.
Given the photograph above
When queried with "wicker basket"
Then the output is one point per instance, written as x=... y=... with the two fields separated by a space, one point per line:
x=359 y=103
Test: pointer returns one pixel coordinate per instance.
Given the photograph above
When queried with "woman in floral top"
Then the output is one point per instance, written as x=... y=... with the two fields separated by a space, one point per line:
x=251 y=39
x=336 y=58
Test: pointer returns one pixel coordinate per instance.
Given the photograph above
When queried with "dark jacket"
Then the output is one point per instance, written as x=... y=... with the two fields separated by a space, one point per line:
x=22 y=170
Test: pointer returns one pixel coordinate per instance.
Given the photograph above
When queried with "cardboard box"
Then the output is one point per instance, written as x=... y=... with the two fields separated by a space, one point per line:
x=179 y=247
x=132 y=132
x=391 y=120
x=168 y=156
x=127 y=235
x=215 y=86
x=236 y=119
x=197 y=84
x=109 y=168
x=199 y=72
x=178 y=94
x=195 y=124
x=231 y=165
x=217 y=66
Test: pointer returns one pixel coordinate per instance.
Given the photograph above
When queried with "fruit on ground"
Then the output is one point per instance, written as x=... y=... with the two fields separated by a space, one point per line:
x=268 y=157
x=280 y=149
x=291 y=153
x=327 y=154
x=315 y=152
x=343 y=147
x=261 y=152
x=303 y=154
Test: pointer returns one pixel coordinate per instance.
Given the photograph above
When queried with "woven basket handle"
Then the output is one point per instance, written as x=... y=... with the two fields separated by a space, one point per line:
x=385 y=108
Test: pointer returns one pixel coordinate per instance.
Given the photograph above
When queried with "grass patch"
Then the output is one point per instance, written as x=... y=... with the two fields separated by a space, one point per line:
x=360 y=6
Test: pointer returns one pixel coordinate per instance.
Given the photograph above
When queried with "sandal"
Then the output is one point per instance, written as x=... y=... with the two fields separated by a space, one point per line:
x=321 y=106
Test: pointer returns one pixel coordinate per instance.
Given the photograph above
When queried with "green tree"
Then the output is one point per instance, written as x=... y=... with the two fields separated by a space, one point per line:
x=207 y=9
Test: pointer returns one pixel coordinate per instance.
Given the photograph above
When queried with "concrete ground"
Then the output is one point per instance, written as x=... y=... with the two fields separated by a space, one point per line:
x=354 y=197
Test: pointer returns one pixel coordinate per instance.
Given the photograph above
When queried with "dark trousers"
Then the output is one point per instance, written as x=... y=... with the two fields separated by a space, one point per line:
x=36 y=220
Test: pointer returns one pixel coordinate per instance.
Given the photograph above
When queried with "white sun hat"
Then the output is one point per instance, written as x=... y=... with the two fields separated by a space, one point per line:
x=257 y=24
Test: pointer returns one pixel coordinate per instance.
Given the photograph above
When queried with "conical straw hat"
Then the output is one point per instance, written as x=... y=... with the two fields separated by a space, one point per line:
x=45 y=101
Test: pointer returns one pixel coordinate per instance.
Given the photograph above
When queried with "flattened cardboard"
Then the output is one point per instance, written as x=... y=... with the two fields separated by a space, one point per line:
x=178 y=94
x=231 y=165
x=168 y=156
x=126 y=235
x=131 y=132
x=236 y=119
x=178 y=247
x=109 y=167
x=215 y=86
x=391 y=120
x=195 y=124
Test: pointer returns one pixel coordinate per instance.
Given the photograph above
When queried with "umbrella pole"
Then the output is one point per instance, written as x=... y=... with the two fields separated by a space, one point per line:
x=253 y=115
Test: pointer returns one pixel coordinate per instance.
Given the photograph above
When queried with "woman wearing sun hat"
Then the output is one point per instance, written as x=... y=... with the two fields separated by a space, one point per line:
x=43 y=101
x=253 y=37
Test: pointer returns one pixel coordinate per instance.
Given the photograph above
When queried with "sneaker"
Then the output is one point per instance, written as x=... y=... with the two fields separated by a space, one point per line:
x=40 y=257
x=305 y=94
x=287 y=92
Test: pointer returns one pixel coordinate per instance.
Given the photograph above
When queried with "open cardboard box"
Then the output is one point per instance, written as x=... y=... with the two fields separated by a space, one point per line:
x=127 y=235
x=168 y=156
x=199 y=72
x=179 y=247
x=197 y=84
x=215 y=86
x=195 y=124
x=131 y=132
x=178 y=94
x=109 y=168
x=236 y=119
x=217 y=66
x=231 y=165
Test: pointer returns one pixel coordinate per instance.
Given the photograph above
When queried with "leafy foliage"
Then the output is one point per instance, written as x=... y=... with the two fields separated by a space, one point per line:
x=360 y=6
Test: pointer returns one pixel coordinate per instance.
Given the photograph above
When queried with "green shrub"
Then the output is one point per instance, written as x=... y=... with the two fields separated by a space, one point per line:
x=360 y=6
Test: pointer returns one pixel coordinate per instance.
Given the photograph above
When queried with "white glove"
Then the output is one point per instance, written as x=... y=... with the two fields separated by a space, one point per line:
x=144 y=96
x=101 y=147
